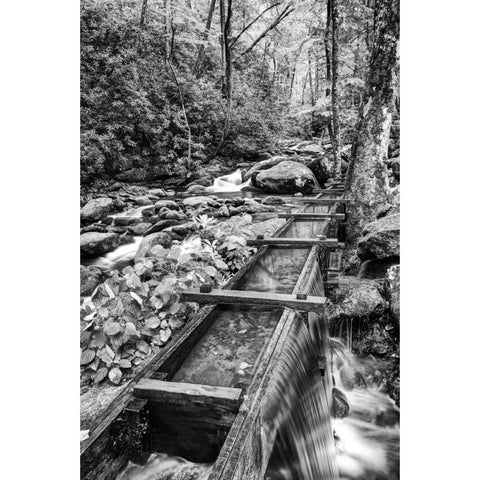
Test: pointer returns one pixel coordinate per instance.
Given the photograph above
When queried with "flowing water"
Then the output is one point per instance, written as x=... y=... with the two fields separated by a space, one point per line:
x=161 y=466
x=228 y=183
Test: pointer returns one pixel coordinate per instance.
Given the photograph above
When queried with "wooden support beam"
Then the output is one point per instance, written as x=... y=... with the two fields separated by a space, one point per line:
x=322 y=201
x=312 y=303
x=295 y=242
x=329 y=191
x=312 y=216
x=188 y=394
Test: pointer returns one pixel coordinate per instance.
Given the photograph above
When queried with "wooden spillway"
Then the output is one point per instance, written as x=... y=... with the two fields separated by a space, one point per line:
x=188 y=400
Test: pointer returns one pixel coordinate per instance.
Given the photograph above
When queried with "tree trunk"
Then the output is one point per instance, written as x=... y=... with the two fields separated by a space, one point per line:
x=201 y=49
x=335 y=121
x=327 y=49
x=143 y=13
x=367 y=179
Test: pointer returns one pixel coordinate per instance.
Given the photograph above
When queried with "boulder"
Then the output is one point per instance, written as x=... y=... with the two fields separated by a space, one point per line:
x=321 y=168
x=286 y=177
x=93 y=228
x=142 y=200
x=125 y=221
x=391 y=287
x=170 y=204
x=139 y=228
x=380 y=239
x=158 y=192
x=96 y=209
x=194 y=189
x=312 y=148
x=200 y=201
x=162 y=238
x=96 y=243
x=159 y=226
x=90 y=277
x=263 y=165
x=340 y=407
x=172 y=215
x=273 y=200
x=355 y=299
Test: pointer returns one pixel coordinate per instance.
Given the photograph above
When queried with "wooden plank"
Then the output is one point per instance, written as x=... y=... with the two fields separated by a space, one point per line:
x=322 y=201
x=312 y=216
x=330 y=191
x=188 y=394
x=311 y=303
x=295 y=242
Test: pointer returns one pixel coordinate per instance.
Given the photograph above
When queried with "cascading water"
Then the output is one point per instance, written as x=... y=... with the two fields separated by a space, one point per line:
x=161 y=466
x=228 y=183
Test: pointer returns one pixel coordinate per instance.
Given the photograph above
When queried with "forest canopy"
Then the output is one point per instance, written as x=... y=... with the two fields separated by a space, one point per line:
x=169 y=85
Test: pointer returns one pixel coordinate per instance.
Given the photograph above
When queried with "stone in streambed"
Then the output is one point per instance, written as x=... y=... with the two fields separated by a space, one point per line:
x=139 y=228
x=273 y=200
x=381 y=239
x=163 y=239
x=142 y=200
x=93 y=228
x=391 y=287
x=96 y=209
x=340 y=407
x=170 y=204
x=158 y=192
x=159 y=226
x=90 y=277
x=286 y=177
x=200 y=201
x=194 y=189
x=125 y=221
x=172 y=215
x=96 y=243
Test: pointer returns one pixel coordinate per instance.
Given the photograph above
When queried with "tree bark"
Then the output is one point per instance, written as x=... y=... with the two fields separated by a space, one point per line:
x=367 y=179
x=201 y=49
x=143 y=13
x=335 y=121
x=327 y=49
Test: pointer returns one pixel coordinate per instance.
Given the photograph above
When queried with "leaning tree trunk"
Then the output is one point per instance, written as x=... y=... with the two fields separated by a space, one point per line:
x=335 y=122
x=367 y=179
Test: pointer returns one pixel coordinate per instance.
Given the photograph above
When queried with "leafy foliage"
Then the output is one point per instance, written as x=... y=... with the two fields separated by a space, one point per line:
x=133 y=313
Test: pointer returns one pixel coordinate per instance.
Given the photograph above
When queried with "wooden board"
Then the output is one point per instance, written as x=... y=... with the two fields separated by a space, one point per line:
x=175 y=393
x=312 y=303
x=330 y=191
x=321 y=201
x=295 y=242
x=312 y=216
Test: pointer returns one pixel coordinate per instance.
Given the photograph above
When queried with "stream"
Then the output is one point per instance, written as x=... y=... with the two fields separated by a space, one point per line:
x=311 y=444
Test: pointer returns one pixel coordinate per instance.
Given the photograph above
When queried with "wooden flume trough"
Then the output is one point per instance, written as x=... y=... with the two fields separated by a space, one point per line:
x=209 y=423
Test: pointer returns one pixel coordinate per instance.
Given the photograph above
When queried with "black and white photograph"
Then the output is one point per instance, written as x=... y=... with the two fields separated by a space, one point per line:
x=220 y=241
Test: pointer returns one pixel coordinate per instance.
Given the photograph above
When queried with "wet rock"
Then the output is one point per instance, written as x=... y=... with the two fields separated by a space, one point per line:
x=181 y=231
x=159 y=226
x=381 y=239
x=90 y=277
x=340 y=407
x=158 y=192
x=114 y=229
x=172 y=215
x=263 y=165
x=170 y=204
x=125 y=221
x=93 y=228
x=148 y=212
x=321 y=168
x=142 y=200
x=96 y=243
x=200 y=201
x=162 y=238
x=118 y=203
x=286 y=177
x=391 y=287
x=273 y=200
x=139 y=228
x=355 y=299
x=377 y=268
x=194 y=189
x=96 y=209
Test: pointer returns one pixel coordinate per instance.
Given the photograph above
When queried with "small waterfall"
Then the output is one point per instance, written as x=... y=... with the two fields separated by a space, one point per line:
x=229 y=183
x=161 y=466
x=302 y=390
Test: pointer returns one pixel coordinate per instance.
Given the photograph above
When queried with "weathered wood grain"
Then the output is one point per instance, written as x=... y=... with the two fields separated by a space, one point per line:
x=248 y=297
x=188 y=394
x=312 y=216
x=295 y=242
